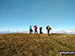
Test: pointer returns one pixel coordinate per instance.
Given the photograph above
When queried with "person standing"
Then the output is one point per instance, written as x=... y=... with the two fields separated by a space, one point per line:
x=40 y=30
x=30 y=29
x=48 y=29
x=35 y=29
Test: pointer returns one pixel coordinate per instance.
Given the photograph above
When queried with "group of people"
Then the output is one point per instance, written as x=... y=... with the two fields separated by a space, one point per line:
x=48 y=28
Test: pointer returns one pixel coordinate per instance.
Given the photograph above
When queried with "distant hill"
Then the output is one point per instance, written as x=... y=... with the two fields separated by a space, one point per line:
x=3 y=32
x=22 y=31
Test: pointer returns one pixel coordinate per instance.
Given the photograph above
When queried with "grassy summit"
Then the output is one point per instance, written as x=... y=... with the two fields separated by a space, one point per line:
x=20 y=44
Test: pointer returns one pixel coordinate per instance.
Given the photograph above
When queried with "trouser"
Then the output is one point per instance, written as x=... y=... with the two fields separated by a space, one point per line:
x=36 y=31
x=40 y=32
x=48 y=31
x=30 y=31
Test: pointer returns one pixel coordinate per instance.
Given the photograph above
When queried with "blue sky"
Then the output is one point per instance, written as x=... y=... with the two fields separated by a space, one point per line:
x=19 y=14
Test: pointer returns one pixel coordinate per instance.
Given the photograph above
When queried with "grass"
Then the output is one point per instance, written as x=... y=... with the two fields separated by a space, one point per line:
x=20 y=44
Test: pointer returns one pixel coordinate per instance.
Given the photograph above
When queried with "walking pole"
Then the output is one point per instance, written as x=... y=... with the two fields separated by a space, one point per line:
x=51 y=31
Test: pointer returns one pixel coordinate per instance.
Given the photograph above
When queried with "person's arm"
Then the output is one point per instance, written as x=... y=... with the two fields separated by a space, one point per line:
x=46 y=27
x=50 y=28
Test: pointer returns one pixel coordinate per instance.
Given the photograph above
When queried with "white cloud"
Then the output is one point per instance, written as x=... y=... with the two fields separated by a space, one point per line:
x=61 y=31
x=71 y=31
x=8 y=31
x=5 y=31
x=22 y=31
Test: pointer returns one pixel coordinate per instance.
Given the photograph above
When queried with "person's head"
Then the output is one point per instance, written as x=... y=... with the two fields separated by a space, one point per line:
x=30 y=25
x=48 y=25
x=40 y=27
x=36 y=25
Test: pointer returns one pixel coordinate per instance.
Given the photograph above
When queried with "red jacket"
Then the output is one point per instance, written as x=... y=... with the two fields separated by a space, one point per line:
x=35 y=27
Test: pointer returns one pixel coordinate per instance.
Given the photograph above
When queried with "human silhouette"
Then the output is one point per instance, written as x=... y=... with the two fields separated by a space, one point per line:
x=30 y=29
x=48 y=29
x=40 y=30
x=35 y=29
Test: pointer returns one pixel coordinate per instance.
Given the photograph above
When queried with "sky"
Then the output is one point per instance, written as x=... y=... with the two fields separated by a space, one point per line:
x=18 y=15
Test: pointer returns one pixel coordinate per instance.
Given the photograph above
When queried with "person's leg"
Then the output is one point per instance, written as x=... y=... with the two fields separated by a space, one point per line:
x=36 y=31
x=40 y=32
x=30 y=31
x=48 y=32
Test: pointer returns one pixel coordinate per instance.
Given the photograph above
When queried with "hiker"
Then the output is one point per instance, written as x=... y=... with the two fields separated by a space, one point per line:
x=40 y=30
x=30 y=29
x=48 y=29
x=35 y=29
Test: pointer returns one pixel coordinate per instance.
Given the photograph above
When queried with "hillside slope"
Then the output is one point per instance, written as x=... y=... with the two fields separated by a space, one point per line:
x=20 y=44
